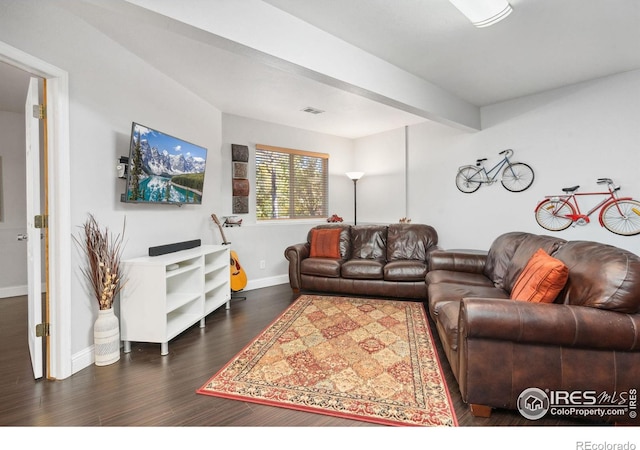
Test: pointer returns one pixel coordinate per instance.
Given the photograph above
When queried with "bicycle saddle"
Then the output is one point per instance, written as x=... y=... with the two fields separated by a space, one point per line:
x=479 y=161
x=570 y=189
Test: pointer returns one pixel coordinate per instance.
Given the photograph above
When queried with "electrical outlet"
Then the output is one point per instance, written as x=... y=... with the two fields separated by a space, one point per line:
x=263 y=264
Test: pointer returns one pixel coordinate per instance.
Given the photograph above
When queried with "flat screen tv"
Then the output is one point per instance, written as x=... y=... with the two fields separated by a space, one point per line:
x=164 y=169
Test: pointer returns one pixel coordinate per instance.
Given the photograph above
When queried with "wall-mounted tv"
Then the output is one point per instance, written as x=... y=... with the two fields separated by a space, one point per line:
x=163 y=169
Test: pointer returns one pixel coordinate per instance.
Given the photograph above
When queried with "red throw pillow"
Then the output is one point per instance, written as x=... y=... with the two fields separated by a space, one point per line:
x=541 y=280
x=325 y=243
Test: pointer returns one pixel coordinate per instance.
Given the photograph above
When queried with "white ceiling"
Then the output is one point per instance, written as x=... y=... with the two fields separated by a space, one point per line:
x=543 y=44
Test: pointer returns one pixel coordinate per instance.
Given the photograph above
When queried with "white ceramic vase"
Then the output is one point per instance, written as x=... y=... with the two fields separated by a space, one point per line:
x=106 y=338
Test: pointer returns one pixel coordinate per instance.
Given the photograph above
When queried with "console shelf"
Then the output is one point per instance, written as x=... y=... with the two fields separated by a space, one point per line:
x=164 y=295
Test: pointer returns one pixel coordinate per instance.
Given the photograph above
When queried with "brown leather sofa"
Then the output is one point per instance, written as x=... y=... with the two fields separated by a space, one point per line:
x=588 y=339
x=378 y=260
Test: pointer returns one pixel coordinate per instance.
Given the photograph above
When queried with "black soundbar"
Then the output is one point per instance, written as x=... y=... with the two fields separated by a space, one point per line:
x=170 y=248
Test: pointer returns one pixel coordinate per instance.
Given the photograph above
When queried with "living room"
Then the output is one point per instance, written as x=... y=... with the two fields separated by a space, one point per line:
x=570 y=135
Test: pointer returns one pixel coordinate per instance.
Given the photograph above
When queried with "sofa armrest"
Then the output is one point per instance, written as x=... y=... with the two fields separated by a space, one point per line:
x=548 y=324
x=472 y=261
x=295 y=254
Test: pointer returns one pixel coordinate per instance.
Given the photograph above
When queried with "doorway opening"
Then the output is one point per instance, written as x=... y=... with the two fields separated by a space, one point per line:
x=24 y=180
x=57 y=170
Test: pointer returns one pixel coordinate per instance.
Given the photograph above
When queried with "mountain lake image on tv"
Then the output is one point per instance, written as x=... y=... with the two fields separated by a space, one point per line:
x=164 y=169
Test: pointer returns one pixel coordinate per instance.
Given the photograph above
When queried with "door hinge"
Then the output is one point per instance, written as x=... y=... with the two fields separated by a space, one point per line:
x=39 y=112
x=41 y=221
x=42 y=329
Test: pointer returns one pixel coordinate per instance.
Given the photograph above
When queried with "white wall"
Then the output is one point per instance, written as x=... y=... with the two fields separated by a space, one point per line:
x=569 y=136
x=266 y=241
x=382 y=190
x=13 y=257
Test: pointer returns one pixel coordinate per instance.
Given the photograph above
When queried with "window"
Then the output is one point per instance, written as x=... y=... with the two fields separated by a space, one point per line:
x=291 y=184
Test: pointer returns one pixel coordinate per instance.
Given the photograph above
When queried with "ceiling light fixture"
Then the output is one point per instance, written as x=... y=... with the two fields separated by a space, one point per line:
x=483 y=13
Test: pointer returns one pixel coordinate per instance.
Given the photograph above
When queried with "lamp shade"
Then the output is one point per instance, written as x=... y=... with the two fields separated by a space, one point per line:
x=355 y=175
x=483 y=13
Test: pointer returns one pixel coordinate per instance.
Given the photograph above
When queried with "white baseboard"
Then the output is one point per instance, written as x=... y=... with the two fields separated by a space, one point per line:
x=266 y=282
x=82 y=359
x=13 y=291
x=17 y=291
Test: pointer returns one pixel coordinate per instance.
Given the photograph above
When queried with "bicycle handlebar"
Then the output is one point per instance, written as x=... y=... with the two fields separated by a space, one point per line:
x=508 y=151
x=605 y=180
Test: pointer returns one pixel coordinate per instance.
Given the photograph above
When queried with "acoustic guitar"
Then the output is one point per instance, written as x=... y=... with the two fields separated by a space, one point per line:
x=238 y=275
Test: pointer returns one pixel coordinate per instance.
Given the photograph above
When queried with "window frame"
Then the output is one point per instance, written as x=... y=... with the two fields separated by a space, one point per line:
x=291 y=154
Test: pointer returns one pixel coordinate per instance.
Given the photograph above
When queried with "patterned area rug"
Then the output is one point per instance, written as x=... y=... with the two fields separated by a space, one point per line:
x=364 y=359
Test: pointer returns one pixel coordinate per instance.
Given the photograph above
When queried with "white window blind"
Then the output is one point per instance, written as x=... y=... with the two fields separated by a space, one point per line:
x=291 y=184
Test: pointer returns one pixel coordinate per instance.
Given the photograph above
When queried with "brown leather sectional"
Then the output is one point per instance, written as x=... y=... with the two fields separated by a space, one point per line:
x=586 y=342
x=377 y=260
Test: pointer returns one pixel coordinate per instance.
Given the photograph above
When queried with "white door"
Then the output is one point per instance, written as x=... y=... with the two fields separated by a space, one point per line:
x=34 y=259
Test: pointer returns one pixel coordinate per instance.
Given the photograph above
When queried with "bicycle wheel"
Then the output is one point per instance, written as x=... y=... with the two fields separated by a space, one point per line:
x=517 y=177
x=468 y=179
x=622 y=217
x=552 y=215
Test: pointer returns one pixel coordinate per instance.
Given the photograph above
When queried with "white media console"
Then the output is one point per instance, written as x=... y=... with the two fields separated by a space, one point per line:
x=166 y=294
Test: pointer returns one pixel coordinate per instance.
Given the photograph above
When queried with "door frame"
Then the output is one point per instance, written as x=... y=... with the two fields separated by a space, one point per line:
x=59 y=202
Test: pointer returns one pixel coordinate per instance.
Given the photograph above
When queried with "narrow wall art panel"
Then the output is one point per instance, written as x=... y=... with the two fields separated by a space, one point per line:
x=240 y=181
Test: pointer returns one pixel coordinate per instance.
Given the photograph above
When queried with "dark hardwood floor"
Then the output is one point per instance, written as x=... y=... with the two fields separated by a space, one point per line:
x=146 y=389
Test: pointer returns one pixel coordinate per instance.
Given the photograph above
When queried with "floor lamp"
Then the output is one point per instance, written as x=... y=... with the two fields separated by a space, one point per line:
x=355 y=176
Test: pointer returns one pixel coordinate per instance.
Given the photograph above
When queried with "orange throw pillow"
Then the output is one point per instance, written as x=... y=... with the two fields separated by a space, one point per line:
x=541 y=280
x=325 y=243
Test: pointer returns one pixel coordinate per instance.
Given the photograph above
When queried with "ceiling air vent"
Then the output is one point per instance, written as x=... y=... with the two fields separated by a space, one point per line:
x=311 y=110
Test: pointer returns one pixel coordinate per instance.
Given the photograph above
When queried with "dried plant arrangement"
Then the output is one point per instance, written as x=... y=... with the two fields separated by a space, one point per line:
x=103 y=251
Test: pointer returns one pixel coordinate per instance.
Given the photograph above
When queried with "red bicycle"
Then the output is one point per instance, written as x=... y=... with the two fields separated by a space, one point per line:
x=620 y=215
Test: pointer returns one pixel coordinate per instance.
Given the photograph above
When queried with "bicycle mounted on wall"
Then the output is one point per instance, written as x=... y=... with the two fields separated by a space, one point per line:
x=516 y=176
x=620 y=215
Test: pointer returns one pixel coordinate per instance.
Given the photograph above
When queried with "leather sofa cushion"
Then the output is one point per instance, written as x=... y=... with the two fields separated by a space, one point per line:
x=363 y=269
x=369 y=242
x=405 y=271
x=462 y=260
x=510 y=252
x=451 y=276
x=321 y=267
x=448 y=315
x=500 y=253
x=441 y=293
x=600 y=276
x=345 y=237
x=410 y=241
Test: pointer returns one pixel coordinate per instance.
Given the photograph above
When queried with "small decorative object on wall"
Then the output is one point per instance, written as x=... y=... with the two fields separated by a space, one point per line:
x=335 y=218
x=240 y=182
x=104 y=275
x=232 y=221
x=404 y=220
x=620 y=215
x=240 y=169
x=516 y=176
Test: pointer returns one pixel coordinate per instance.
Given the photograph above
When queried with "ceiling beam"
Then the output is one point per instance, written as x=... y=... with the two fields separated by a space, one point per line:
x=257 y=29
